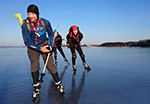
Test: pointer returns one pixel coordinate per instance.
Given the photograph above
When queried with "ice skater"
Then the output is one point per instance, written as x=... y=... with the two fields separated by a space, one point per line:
x=74 y=38
x=57 y=45
x=35 y=31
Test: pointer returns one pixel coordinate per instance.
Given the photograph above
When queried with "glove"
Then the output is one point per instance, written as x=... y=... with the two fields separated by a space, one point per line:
x=45 y=49
x=50 y=48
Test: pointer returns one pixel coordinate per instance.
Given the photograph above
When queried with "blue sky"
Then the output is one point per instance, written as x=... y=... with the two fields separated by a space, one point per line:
x=99 y=20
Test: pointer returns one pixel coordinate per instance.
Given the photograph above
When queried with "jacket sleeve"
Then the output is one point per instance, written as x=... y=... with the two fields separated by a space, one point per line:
x=80 y=37
x=67 y=37
x=27 y=40
x=50 y=33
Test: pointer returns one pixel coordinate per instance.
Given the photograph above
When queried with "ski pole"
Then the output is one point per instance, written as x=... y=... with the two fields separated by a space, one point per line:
x=83 y=44
x=43 y=73
x=87 y=45
x=18 y=15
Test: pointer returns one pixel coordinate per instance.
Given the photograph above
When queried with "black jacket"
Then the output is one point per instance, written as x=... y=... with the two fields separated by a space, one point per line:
x=74 y=39
x=58 y=40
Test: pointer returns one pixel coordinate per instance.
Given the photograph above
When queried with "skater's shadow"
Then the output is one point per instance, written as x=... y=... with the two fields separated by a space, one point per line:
x=70 y=98
x=75 y=93
x=53 y=94
x=62 y=74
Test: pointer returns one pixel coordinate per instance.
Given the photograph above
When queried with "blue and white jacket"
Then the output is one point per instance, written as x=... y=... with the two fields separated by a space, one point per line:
x=31 y=40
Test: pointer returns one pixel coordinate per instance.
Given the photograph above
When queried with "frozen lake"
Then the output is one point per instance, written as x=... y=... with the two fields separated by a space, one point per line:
x=118 y=76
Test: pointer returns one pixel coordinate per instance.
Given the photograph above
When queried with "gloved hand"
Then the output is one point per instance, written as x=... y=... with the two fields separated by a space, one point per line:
x=46 y=49
x=50 y=48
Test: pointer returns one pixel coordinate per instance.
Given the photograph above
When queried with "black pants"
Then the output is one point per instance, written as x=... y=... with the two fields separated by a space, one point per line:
x=79 y=50
x=60 y=50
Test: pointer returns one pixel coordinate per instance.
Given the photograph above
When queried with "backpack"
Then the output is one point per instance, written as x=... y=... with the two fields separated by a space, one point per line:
x=28 y=24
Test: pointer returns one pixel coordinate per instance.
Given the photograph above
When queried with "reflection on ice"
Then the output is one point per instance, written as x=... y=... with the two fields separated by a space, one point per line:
x=118 y=76
x=73 y=96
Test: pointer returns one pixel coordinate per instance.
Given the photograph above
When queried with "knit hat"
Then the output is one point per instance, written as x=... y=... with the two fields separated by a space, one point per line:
x=34 y=9
x=74 y=28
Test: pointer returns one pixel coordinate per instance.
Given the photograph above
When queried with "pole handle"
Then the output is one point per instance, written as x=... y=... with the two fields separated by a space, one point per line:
x=46 y=63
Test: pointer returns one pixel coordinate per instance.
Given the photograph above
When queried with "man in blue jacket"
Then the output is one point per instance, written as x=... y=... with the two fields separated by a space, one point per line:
x=38 y=43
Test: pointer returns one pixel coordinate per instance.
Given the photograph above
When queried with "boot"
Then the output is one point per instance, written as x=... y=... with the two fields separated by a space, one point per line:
x=60 y=87
x=56 y=62
x=74 y=68
x=36 y=92
x=86 y=66
x=66 y=61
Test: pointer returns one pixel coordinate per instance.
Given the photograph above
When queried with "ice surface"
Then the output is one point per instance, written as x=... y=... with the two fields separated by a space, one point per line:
x=118 y=76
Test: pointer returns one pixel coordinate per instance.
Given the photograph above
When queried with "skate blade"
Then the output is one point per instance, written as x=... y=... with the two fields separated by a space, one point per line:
x=36 y=100
x=75 y=70
x=63 y=93
x=88 y=68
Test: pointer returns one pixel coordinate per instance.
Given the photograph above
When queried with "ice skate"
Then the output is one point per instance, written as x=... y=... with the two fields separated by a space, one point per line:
x=60 y=87
x=86 y=66
x=66 y=61
x=56 y=62
x=36 y=92
x=74 y=68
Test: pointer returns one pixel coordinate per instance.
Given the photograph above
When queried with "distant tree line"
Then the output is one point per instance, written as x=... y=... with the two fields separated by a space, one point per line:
x=141 y=43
